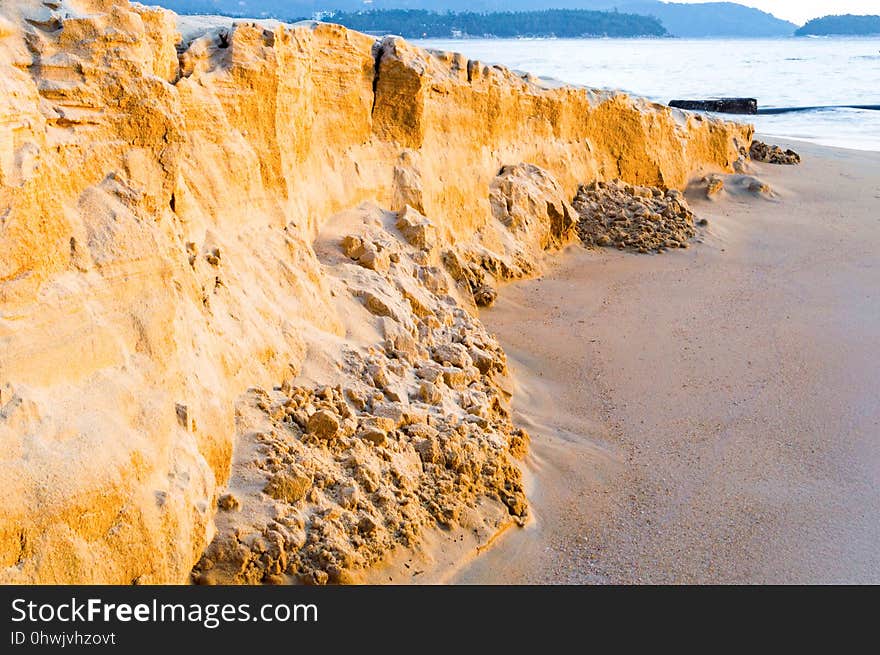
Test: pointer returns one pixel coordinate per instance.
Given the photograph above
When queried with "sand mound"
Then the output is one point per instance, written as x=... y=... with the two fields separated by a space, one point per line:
x=717 y=186
x=635 y=217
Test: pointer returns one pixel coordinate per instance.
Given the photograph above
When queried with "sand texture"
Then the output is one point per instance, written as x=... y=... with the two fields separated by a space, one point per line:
x=707 y=415
x=177 y=298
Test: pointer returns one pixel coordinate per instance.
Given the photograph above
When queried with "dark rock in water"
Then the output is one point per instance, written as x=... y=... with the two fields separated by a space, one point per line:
x=720 y=105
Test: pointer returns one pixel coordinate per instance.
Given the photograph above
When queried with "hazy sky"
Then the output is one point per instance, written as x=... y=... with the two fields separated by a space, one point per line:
x=800 y=11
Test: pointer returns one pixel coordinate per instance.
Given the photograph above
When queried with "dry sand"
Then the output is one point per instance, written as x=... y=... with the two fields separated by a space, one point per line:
x=708 y=415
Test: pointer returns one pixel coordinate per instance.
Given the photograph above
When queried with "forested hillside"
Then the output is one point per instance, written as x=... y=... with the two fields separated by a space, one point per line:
x=684 y=20
x=561 y=23
x=847 y=24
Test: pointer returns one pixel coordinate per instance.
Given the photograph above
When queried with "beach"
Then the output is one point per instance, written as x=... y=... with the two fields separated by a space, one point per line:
x=288 y=304
x=708 y=415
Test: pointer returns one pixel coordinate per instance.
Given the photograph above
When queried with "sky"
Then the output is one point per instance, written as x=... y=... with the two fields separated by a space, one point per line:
x=800 y=11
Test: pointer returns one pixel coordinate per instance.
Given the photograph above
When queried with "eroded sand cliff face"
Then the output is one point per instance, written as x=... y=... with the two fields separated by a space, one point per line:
x=171 y=214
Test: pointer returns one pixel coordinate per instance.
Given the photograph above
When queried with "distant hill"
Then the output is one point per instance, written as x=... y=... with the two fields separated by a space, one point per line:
x=711 y=19
x=847 y=24
x=685 y=20
x=563 y=23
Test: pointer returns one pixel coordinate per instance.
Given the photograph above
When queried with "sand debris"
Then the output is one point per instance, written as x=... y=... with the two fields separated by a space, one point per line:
x=770 y=154
x=714 y=185
x=416 y=436
x=228 y=502
x=391 y=470
x=616 y=214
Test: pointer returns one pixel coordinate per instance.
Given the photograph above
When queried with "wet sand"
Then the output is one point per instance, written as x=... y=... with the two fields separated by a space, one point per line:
x=708 y=415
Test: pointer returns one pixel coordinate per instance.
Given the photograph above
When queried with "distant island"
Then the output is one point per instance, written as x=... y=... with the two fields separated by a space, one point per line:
x=562 y=23
x=708 y=19
x=847 y=24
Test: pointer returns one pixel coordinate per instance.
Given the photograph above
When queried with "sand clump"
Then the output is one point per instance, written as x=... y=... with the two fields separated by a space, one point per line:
x=717 y=186
x=770 y=154
x=616 y=214
x=714 y=185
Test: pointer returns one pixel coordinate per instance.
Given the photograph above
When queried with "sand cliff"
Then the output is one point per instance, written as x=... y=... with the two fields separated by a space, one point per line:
x=176 y=305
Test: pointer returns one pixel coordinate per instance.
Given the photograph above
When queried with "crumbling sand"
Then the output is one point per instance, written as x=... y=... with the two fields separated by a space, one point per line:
x=419 y=432
x=374 y=472
x=770 y=154
x=616 y=214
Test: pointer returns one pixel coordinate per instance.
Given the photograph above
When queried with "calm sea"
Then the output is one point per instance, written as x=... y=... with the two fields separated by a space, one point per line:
x=795 y=72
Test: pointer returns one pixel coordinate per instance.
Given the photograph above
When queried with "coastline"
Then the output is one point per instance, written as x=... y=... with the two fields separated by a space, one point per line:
x=240 y=318
x=706 y=416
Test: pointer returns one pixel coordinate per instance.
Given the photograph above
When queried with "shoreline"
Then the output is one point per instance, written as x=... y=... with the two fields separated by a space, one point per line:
x=708 y=471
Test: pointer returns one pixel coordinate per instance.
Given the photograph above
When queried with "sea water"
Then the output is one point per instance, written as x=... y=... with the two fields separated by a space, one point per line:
x=786 y=72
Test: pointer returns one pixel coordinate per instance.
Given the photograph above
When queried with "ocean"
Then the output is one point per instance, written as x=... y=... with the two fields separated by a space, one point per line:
x=780 y=73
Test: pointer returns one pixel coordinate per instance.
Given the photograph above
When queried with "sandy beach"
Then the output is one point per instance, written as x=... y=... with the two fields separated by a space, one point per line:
x=288 y=304
x=708 y=415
